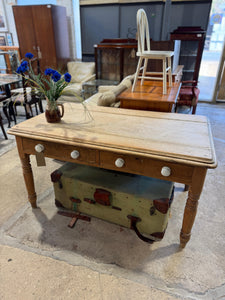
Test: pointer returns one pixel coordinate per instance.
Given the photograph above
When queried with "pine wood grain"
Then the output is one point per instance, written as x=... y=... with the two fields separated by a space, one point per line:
x=147 y=133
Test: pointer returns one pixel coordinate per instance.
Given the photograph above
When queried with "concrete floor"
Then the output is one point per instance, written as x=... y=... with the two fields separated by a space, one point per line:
x=41 y=258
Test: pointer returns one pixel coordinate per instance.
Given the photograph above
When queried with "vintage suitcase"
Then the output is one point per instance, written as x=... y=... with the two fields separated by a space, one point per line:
x=137 y=202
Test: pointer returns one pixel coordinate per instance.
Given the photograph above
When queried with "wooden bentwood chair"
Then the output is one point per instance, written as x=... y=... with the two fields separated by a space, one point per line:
x=145 y=53
x=2 y=127
x=27 y=97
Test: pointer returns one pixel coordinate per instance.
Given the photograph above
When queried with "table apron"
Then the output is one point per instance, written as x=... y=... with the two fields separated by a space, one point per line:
x=135 y=164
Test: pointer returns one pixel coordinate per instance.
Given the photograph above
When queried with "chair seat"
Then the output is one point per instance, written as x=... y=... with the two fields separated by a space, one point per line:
x=188 y=96
x=20 y=90
x=186 y=93
x=3 y=97
x=156 y=54
x=18 y=95
x=18 y=98
x=27 y=97
x=73 y=89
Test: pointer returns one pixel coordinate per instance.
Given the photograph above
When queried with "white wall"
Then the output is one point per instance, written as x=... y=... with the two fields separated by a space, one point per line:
x=71 y=11
x=10 y=20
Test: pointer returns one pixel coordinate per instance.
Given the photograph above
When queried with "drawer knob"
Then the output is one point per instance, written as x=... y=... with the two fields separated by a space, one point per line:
x=39 y=148
x=119 y=162
x=166 y=171
x=75 y=154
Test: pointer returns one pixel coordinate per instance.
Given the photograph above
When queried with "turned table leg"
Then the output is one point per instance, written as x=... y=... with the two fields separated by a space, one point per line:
x=29 y=180
x=190 y=210
x=27 y=173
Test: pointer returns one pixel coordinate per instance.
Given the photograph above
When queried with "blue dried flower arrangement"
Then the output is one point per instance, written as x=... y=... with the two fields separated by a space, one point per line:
x=51 y=83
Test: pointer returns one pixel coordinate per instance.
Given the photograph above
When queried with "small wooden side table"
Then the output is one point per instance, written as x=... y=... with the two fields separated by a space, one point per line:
x=149 y=96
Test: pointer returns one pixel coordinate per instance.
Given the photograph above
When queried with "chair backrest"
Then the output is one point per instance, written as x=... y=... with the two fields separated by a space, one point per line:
x=143 y=31
x=29 y=91
x=80 y=70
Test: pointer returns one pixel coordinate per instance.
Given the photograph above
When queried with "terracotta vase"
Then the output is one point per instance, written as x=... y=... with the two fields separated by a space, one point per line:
x=53 y=113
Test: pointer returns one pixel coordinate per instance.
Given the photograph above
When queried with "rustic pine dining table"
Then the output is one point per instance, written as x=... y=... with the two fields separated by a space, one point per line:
x=167 y=146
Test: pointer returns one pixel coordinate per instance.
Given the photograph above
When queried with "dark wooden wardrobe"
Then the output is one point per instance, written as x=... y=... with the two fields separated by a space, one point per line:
x=43 y=31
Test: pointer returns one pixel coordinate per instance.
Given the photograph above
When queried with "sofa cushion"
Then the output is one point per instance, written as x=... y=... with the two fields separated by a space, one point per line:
x=106 y=95
x=69 y=98
x=73 y=89
x=80 y=71
x=106 y=88
x=93 y=100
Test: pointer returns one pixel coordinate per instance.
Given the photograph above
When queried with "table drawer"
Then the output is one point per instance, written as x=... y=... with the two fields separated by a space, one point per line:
x=62 y=152
x=146 y=166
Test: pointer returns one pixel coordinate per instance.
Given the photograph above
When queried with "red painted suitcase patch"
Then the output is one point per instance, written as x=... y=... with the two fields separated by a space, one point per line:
x=102 y=197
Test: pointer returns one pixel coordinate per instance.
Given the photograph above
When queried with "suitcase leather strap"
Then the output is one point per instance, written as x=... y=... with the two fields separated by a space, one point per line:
x=133 y=222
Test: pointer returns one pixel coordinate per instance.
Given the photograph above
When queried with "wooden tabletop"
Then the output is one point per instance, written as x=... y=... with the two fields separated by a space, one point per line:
x=9 y=78
x=152 y=90
x=168 y=136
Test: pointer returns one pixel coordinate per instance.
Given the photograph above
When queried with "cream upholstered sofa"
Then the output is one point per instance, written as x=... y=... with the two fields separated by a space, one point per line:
x=106 y=95
x=80 y=72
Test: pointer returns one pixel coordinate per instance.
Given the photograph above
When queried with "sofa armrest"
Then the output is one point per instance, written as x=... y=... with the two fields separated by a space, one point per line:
x=89 y=78
x=107 y=95
x=108 y=98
